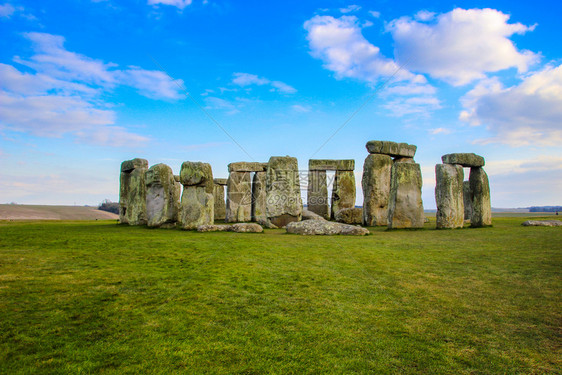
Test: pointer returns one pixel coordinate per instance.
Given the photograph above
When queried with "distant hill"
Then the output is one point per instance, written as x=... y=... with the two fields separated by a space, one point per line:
x=37 y=212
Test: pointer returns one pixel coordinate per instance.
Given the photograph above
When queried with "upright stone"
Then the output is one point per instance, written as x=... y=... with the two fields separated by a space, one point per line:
x=283 y=199
x=449 y=195
x=132 y=192
x=343 y=191
x=220 y=204
x=467 y=198
x=317 y=195
x=239 y=197
x=162 y=197
x=376 y=189
x=259 y=197
x=197 y=201
x=480 y=193
x=405 y=208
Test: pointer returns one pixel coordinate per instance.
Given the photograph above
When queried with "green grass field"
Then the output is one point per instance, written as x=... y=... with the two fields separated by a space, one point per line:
x=96 y=297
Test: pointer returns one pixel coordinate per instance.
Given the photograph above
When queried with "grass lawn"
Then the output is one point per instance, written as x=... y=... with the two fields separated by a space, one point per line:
x=81 y=297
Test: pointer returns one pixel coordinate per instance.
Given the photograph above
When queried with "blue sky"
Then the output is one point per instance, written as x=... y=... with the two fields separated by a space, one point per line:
x=87 y=84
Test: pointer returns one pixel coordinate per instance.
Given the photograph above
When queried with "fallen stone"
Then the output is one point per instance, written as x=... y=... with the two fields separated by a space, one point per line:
x=317 y=195
x=309 y=215
x=283 y=198
x=343 y=191
x=132 y=192
x=245 y=166
x=324 y=227
x=376 y=189
x=405 y=208
x=331 y=165
x=464 y=159
x=352 y=215
x=220 y=181
x=162 y=197
x=238 y=228
x=480 y=194
x=542 y=223
x=391 y=148
x=449 y=196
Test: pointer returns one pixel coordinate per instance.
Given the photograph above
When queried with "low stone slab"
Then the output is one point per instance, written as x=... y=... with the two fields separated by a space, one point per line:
x=393 y=149
x=352 y=215
x=247 y=166
x=464 y=159
x=542 y=223
x=220 y=181
x=331 y=165
x=323 y=227
x=238 y=228
x=309 y=215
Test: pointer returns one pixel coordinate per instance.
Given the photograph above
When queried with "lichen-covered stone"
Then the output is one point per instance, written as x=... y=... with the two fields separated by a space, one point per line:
x=481 y=203
x=220 y=204
x=391 y=148
x=324 y=227
x=238 y=228
x=197 y=207
x=239 y=197
x=350 y=215
x=467 y=199
x=132 y=192
x=197 y=174
x=259 y=197
x=247 y=166
x=162 y=197
x=343 y=191
x=542 y=223
x=309 y=215
x=283 y=199
x=403 y=160
x=177 y=177
x=464 y=159
x=220 y=181
x=405 y=208
x=317 y=195
x=376 y=189
x=331 y=165
x=449 y=196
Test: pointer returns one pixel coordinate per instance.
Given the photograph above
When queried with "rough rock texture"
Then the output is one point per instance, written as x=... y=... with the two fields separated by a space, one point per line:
x=317 y=196
x=480 y=193
x=197 y=201
x=331 y=165
x=343 y=191
x=324 y=227
x=542 y=223
x=376 y=189
x=283 y=199
x=449 y=196
x=177 y=178
x=350 y=215
x=162 y=197
x=391 y=148
x=405 y=208
x=132 y=192
x=220 y=203
x=259 y=197
x=467 y=198
x=404 y=160
x=309 y=215
x=464 y=159
x=239 y=197
x=238 y=228
x=220 y=181
x=246 y=166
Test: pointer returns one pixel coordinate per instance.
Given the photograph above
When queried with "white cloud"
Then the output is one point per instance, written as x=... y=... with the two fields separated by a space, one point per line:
x=283 y=87
x=246 y=79
x=152 y=83
x=542 y=163
x=6 y=10
x=439 y=131
x=529 y=113
x=416 y=105
x=220 y=104
x=301 y=108
x=424 y=15
x=460 y=46
x=350 y=9
x=374 y=13
x=176 y=3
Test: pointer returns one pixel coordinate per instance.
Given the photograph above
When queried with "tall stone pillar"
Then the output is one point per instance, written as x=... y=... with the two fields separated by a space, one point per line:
x=162 y=197
x=376 y=189
x=467 y=198
x=317 y=195
x=239 y=193
x=259 y=197
x=220 y=204
x=481 y=203
x=197 y=201
x=343 y=191
x=405 y=208
x=283 y=199
x=132 y=192
x=449 y=195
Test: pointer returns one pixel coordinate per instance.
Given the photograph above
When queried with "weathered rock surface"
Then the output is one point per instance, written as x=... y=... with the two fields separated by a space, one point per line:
x=331 y=165
x=376 y=189
x=177 y=178
x=317 y=196
x=197 y=174
x=162 y=197
x=197 y=201
x=405 y=208
x=220 y=203
x=239 y=197
x=403 y=160
x=480 y=193
x=350 y=215
x=259 y=197
x=238 y=228
x=467 y=198
x=246 y=166
x=309 y=215
x=132 y=192
x=220 y=181
x=391 y=148
x=464 y=159
x=542 y=223
x=343 y=191
x=283 y=199
x=324 y=227
x=449 y=196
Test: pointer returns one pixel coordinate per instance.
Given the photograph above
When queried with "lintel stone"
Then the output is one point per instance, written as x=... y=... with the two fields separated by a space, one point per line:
x=129 y=165
x=331 y=165
x=246 y=166
x=393 y=149
x=220 y=181
x=464 y=159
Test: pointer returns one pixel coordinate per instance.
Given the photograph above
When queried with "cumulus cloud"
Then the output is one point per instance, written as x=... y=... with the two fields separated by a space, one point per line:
x=460 y=46
x=6 y=10
x=350 y=8
x=529 y=113
x=246 y=79
x=180 y=4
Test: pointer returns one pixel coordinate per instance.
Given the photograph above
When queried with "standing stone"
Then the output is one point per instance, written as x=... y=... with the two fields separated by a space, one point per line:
x=467 y=198
x=343 y=191
x=317 y=196
x=239 y=197
x=480 y=193
x=449 y=195
x=220 y=204
x=132 y=192
x=259 y=197
x=162 y=197
x=376 y=189
x=283 y=198
x=405 y=208
x=197 y=201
